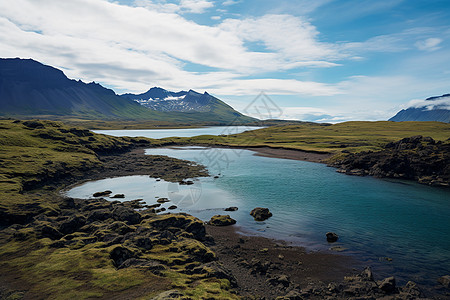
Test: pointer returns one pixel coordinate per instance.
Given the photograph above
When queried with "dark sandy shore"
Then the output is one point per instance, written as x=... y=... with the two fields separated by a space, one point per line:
x=291 y=154
x=261 y=265
x=318 y=157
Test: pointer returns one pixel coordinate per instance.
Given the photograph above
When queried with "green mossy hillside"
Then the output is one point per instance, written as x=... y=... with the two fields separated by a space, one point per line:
x=34 y=153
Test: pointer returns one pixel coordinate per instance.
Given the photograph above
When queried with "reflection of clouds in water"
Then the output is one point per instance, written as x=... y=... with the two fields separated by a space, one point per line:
x=184 y=197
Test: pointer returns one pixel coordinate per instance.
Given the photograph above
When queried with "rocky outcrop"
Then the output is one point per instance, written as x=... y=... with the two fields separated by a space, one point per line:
x=260 y=213
x=416 y=158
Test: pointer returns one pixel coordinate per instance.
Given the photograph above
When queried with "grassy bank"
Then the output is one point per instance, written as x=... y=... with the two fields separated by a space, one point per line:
x=57 y=248
x=352 y=137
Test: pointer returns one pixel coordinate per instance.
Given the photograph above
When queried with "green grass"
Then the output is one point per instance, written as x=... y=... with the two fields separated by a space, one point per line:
x=349 y=136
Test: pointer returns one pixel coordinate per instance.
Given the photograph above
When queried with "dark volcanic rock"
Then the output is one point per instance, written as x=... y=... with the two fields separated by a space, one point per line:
x=118 y=196
x=50 y=232
x=260 y=213
x=120 y=254
x=102 y=194
x=332 y=237
x=162 y=200
x=72 y=224
x=387 y=285
x=99 y=215
x=126 y=214
x=279 y=279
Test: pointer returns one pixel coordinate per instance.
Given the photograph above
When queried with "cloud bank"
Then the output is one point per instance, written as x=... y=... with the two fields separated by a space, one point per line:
x=438 y=103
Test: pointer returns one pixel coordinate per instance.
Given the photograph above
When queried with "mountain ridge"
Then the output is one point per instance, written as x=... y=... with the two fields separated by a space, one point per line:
x=160 y=99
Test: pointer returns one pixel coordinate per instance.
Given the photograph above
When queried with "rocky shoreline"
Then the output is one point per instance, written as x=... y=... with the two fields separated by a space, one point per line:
x=268 y=269
x=417 y=158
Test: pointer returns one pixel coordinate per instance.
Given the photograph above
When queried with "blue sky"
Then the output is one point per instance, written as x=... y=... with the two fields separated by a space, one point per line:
x=322 y=60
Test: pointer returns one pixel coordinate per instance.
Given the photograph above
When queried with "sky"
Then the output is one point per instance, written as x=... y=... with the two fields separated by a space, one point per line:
x=316 y=60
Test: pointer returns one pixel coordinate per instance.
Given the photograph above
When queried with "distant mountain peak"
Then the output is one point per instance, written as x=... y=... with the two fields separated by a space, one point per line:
x=160 y=99
x=436 y=108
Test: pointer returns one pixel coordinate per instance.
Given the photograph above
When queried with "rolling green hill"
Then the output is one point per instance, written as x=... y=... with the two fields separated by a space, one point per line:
x=348 y=136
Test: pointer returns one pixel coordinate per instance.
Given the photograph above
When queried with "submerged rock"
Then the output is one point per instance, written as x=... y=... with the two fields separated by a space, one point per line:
x=260 y=213
x=232 y=208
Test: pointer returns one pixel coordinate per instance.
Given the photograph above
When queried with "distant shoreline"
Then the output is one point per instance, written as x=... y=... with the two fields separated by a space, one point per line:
x=283 y=153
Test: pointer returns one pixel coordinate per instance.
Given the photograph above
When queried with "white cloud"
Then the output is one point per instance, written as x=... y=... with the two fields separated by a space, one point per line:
x=430 y=44
x=441 y=103
x=196 y=6
x=216 y=17
x=183 y=6
x=292 y=38
x=239 y=86
x=230 y=2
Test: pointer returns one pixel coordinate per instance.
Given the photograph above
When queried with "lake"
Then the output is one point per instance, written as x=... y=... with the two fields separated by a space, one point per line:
x=185 y=132
x=400 y=228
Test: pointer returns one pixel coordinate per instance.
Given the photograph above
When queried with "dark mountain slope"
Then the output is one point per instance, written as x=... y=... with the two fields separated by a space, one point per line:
x=28 y=87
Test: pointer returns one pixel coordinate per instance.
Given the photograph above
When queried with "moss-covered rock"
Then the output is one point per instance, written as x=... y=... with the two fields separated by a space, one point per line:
x=221 y=220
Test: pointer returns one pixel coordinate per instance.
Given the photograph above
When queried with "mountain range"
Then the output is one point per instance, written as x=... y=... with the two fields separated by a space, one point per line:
x=162 y=100
x=31 y=89
x=431 y=109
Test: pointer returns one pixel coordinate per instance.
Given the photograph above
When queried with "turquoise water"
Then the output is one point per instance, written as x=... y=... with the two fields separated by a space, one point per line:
x=374 y=218
x=188 y=132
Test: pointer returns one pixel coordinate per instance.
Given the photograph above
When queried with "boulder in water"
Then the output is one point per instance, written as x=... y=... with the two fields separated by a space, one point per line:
x=260 y=213
x=331 y=237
